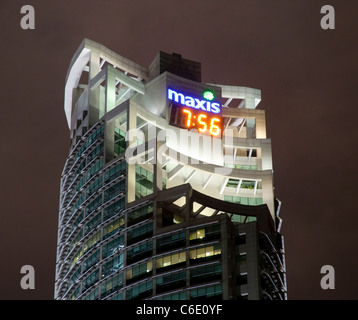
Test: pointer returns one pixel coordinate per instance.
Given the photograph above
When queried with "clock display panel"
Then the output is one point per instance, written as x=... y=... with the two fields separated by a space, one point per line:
x=204 y=122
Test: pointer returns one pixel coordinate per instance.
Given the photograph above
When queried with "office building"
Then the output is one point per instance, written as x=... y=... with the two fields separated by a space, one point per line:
x=167 y=192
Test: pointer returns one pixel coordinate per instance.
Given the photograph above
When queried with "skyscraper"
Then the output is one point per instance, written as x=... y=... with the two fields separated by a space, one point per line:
x=167 y=191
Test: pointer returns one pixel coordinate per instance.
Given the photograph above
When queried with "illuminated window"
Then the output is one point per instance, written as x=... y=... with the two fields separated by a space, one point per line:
x=205 y=252
x=171 y=259
x=205 y=233
x=140 y=270
x=197 y=234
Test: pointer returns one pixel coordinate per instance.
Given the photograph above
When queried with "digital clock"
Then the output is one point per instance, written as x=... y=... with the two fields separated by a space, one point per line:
x=189 y=112
x=203 y=122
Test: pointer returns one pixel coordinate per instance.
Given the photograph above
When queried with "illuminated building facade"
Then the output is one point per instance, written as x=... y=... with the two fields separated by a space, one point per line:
x=167 y=192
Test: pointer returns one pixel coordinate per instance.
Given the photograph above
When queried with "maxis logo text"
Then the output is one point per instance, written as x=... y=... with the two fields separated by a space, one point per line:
x=195 y=103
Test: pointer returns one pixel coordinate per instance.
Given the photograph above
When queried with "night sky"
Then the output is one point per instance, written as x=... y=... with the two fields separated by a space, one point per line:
x=308 y=79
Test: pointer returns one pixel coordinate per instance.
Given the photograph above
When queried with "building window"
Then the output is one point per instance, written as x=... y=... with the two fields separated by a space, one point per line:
x=173 y=296
x=77 y=221
x=92 y=241
x=112 y=285
x=113 y=247
x=139 y=271
x=170 y=242
x=232 y=183
x=77 y=238
x=115 y=190
x=171 y=281
x=95 y=135
x=77 y=256
x=75 y=276
x=140 y=252
x=78 y=203
x=90 y=280
x=93 y=205
x=94 y=187
x=140 y=215
x=112 y=266
x=140 y=233
x=211 y=291
x=244 y=200
x=118 y=296
x=113 y=209
x=144 y=182
x=140 y=291
x=205 y=233
x=113 y=228
x=205 y=273
x=94 y=169
x=197 y=234
x=119 y=141
x=76 y=293
x=204 y=253
x=91 y=261
x=96 y=151
x=115 y=172
x=171 y=260
x=248 y=184
x=83 y=148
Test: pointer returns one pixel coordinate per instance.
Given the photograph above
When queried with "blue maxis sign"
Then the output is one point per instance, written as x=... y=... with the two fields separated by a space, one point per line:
x=195 y=103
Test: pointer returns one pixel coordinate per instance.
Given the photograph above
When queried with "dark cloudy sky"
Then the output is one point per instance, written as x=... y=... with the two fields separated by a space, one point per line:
x=308 y=78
